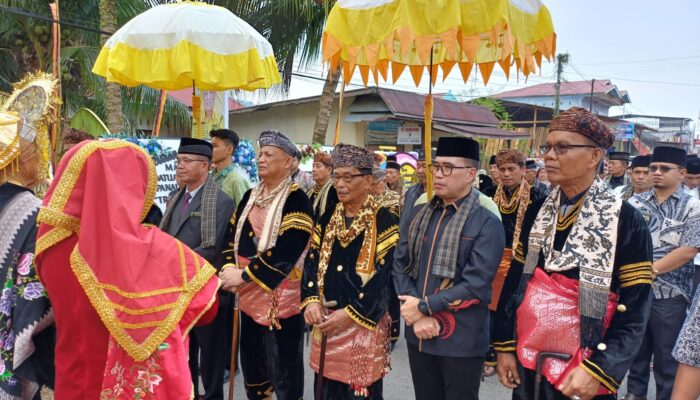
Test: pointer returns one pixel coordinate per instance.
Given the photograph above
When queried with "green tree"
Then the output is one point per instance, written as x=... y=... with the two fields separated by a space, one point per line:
x=497 y=108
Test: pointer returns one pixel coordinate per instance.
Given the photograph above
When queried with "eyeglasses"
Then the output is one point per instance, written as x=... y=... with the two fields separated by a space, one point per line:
x=663 y=168
x=562 y=148
x=186 y=161
x=446 y=170
x=345 y=178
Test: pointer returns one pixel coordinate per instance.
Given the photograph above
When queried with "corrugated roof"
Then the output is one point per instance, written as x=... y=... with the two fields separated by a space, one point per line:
x=601 y=86
x=481 y=131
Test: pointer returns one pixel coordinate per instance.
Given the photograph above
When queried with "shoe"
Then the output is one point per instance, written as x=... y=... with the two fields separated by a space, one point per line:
x=631 y=396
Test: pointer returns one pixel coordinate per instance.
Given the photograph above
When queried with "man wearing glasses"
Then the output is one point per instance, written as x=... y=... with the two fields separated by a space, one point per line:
x=198 y=215
x=673 y=217
x=587 y=256
x=445 y=261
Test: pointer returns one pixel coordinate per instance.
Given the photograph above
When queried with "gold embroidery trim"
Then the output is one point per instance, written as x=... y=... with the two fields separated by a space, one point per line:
x=607 y=381
x=256 y=280
x=51 y=238
x=206 y=309
x=633 y=266
x=360 y=319
x=142 y=311
x=636 y=282
x=59 y=219
x=101 y=303
x=309 y=300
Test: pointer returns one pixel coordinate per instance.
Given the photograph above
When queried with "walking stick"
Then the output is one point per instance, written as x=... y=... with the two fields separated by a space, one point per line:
x=234 y=347
x=322 y=356
x=538 y=368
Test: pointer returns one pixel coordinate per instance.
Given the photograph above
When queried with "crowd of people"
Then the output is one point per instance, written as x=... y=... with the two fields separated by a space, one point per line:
x=557 y=279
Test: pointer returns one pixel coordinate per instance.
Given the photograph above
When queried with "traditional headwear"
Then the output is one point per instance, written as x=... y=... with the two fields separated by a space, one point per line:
x=619 y=155
x=101 y=193
x=458 y=147
x=692 y=156
x=277 y=139
x=508 y=156
x=347 y=155
x=195 y=146
x=227 y=134
x=323 y=158
x=693 y=166
x=393 y=165
x=640 y=161
x=530 y=164
x=494 y=159
x=668 y=154
x=391 y=158
x=9 y=140
x=581 y=121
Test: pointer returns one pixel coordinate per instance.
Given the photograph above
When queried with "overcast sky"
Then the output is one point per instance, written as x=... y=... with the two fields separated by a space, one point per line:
x=649 y=48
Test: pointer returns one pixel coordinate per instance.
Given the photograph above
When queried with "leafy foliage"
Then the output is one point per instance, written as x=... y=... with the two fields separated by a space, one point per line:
x=497 y=108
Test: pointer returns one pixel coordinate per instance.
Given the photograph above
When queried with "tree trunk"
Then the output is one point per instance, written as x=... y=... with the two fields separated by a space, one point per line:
x=323 y=116
x=108 y=23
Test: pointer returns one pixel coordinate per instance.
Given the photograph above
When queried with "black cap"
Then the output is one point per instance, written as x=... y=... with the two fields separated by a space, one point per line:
x=530 y=164
x=619 y=155
x=492 y=160
x=392 y=165
x=391 y=158
x=195 y=146
x=226 y=134
x=640 y=161
x=669 y=154
x=458 y=147
x=693 y=166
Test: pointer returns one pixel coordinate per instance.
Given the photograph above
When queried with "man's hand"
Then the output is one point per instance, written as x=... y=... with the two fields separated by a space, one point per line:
x=579 y=383
x=338 y=321
x=426 y=328
x=313 y=314
x=231 y=279
x=409 y=310
x=507 y=368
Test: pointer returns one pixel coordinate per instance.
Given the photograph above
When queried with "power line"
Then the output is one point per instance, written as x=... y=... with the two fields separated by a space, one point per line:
x=17 y=11
x=642 y=61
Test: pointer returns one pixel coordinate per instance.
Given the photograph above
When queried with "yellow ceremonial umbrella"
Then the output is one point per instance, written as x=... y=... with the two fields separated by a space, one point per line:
x=188 y=44
x=375 y=35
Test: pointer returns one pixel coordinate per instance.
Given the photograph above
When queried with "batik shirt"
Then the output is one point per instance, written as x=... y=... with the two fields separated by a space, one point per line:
x=674 y=223
x=232 y=182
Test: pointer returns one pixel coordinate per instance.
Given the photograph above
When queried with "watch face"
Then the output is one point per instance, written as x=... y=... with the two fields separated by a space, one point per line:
x=423 y=306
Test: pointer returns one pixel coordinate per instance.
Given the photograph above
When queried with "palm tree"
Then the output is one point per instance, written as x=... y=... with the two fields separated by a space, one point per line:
x=108 y=23
x=25 y=44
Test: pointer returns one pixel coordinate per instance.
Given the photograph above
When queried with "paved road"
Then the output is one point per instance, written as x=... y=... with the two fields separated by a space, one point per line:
x=398 y=385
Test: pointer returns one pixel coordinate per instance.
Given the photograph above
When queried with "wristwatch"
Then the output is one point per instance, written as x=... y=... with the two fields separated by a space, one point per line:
x=423 y=307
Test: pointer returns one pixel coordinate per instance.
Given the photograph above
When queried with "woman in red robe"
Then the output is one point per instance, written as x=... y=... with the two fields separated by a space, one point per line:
x=125 y=294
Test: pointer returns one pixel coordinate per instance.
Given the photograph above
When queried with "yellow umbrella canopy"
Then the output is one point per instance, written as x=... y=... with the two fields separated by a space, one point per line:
x=180 y=45
x=375 y=35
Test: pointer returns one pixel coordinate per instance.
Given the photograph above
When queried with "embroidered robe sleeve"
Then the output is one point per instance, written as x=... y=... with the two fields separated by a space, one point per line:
x=369 y=302
x=484 y=255
x=309 y=279
x=633 y=277
x=270 y=268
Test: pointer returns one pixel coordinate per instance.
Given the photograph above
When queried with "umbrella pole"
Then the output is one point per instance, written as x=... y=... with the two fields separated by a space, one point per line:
x=159 y=115
x=336 y=139
x=428 y=131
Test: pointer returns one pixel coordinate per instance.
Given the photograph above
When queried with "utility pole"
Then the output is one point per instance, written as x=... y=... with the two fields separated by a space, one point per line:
x=562 y=59
x=590 y=108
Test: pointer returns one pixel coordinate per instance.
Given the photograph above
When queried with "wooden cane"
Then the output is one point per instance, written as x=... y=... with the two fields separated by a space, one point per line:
x=322 y=354
x=234 y=348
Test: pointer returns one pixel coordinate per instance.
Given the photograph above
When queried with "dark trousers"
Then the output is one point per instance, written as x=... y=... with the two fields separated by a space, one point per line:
x=444 y=378
x=206 y=356
x=665 y=322
x=272 y=360
x=526 y=389
x=394 y=313
x=334 y=390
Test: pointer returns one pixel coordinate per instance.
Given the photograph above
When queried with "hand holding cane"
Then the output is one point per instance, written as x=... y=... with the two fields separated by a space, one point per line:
x=322 y=356
x=234 y=347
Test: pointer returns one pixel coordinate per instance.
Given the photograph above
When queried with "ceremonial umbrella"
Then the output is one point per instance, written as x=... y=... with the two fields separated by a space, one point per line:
x=188 y=44
x=375 y=35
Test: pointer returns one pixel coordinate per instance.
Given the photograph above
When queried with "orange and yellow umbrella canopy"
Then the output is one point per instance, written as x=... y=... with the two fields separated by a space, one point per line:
x=378 y=36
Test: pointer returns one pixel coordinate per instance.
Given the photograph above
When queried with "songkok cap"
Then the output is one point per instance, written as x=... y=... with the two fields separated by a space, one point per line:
x=458 y=147
x=493 y=160
x=323 y=158
x=347 y=155
x=619 y=155
x=668 y=154
x=393 y=165
x=581 y=121
x=640 y=161
x=277 y=139
x=693 y=166
x=508 y=156
x=195 y=146
x=391 y=158
x=692 y=156
x=530 y=164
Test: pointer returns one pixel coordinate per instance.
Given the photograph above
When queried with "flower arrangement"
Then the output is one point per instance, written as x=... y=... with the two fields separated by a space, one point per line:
x=245 y=156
